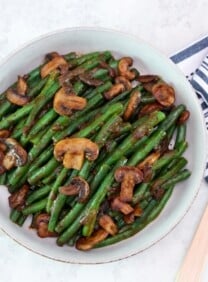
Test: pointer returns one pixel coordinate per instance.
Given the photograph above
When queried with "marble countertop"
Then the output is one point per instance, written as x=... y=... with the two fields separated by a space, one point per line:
x=169 y=26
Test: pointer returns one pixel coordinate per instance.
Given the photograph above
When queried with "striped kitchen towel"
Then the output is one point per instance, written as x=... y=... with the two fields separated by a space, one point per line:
x=193 y=61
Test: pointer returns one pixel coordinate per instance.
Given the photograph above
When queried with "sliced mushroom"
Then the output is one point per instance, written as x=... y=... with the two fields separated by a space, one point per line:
x=52 y=65
x=51 y=56
x=148 y=86
x=41 y=224
x=123 y=80
x=4 y=133
x=2 y=168
x=148 y=78
x=16 y=155
x=78 y=186
x=3 y=147
x=118 y=205
x=114 y=91
x=17 y=199
x=123 y=68
x=71 y=74
x=149 y=160
x=90 y=80
x=15 y=98
x=164 y=94
x=87 y=243
x=132 y=104
x=129 y=218
x=183 y=117
x=73 y=150
x=107 y=223
x=21 y=86
x=128 y=177
x=65 y=104
x=149 y=108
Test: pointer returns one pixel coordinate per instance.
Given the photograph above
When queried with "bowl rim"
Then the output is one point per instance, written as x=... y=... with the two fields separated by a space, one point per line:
x=46 y=35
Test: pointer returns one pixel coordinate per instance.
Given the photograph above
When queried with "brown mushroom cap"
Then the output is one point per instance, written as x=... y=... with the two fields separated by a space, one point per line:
x=114 y=91
x=149 y=108
x=87 y=243
x=16 y=98
x=118 y=205
x=17 y=199
x=16 y=155
x=148 y=78
x=149 y=160
x=90 y=80
x=132 y=104
x=164 y=94
x=123 y=68
x=65 y=104
x=107 y=223
x=123 y=80
x=4 y=133
x=129 y=218
x=41 y=224
x=78 y=186
x=129 y=177
x=21 y=86
x=183 y=117
x=73 y=150
x=52 y=65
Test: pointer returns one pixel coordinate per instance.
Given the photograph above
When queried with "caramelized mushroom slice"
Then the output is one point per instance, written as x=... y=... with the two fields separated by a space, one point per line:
x=16 y=155
x=123 y=80
x=148 y=78
x=183 y=117
x=123 y=68
x=149 y=160
x=129 y=218
x=132 y=104
x=118 y=205
x=87 y=243
x=41 y=224
x=65 y=104
x=21 y=86
x=15 y=98
x=164 y=94
x=4 y=133
x=107 y=223
x=149 y=108
x=73 y=150
x=128 y=176
x=90 y=80
x=78 y=186
x=50 y=56
x=17 y=199
x=2 y=168
x=52 y=65
x=114 y=91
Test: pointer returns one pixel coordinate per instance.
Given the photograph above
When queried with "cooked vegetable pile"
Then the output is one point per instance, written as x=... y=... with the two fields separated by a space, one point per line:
x=90 y=148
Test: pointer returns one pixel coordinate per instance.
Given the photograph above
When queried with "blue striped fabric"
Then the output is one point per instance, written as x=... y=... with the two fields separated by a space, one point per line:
x=193 y=61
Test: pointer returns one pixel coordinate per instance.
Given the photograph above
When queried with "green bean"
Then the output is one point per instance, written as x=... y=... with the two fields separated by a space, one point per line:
x=58 y=204
x=92 y=205
x=35 y=207
x=38 y=194
x=42 y=172
x=54 y=189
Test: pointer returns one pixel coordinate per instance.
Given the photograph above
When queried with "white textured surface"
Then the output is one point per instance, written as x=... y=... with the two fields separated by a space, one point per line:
x=168 y=25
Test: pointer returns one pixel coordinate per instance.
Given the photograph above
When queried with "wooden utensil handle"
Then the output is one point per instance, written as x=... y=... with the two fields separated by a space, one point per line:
x=194 y=261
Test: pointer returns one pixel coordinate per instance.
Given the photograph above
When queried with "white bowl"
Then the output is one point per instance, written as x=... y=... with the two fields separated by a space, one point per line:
x=150 y=60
